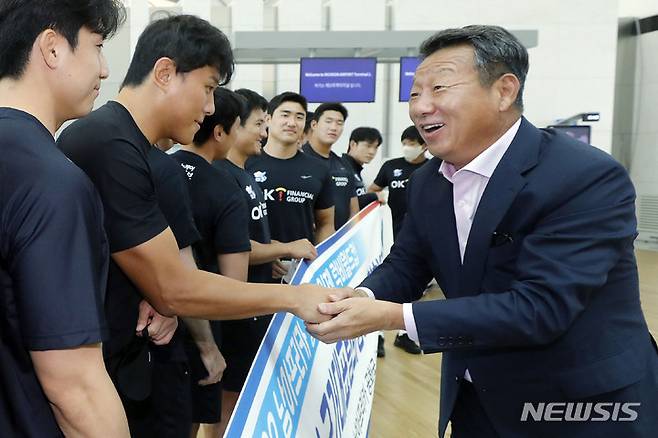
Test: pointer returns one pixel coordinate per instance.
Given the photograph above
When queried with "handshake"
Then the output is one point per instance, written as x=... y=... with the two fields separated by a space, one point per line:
x=336 y=314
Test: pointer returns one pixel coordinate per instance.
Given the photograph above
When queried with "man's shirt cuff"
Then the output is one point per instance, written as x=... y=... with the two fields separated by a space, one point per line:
x=367 y=291
x=410 y=322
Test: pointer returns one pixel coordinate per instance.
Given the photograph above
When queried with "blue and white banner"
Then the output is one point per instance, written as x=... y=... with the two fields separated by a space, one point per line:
x=300 y=387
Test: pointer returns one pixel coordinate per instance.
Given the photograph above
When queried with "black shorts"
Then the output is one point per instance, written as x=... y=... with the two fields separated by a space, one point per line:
x=206 y=401
x=166 y=412
x=240 y=341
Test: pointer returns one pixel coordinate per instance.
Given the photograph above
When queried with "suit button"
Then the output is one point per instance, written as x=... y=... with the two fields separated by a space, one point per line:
x=457 y=379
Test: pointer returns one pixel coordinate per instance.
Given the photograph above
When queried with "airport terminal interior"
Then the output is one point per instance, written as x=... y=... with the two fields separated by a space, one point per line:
x=593 y=76
x=593 y=72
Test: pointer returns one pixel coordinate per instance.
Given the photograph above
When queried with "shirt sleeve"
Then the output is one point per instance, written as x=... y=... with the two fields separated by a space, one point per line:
x=231 y=227
x=382 y=176
x=132 y=212
x=174 y=200
x=58 y=264
x=326 y=195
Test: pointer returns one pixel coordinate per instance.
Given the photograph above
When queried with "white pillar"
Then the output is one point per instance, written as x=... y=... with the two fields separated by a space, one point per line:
x=139 y=17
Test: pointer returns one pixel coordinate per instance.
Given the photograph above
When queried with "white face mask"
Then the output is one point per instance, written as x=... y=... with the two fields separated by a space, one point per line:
x=410 y=153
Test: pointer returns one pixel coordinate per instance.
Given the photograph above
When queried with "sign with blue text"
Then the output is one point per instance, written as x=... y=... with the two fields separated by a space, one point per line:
x=300 y=387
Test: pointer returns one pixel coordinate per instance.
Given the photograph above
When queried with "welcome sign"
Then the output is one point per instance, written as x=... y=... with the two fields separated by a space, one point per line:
x=300 y=387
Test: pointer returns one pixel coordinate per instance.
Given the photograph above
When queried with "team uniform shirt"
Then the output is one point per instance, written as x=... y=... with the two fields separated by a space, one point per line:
x=343 y=183
x=293 y=189
x=342 y=178
x=243 y=337
x=394 y=174
x=220 y=213
x=109 y=146
x=360 y=190
x=174 y=201
x=219 y=210
x=259 y=227
x=53 y=267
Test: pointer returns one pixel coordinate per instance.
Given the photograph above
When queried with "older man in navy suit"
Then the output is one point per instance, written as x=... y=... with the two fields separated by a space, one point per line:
x=530 y=236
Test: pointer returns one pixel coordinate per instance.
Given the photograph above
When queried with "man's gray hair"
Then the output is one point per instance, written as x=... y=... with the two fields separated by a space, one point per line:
x=497 y=52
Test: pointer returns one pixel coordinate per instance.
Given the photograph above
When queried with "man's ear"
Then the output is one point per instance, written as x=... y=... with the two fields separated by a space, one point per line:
x=314 y=124
x=164 y=72
x=49 y=44
x=507 y=86
x=218 y=133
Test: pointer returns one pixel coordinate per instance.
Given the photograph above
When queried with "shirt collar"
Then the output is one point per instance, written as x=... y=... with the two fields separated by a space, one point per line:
x=485 y=163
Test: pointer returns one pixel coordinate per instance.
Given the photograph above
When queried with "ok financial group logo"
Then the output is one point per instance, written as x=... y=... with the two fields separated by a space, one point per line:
x=281 y=194
x=579 y=411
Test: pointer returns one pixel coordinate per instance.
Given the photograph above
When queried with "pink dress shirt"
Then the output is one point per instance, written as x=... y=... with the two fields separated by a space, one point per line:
x=468 y=185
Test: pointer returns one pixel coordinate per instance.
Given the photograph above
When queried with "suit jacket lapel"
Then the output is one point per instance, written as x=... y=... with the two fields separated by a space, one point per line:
x=503 y=187
x=442 y=230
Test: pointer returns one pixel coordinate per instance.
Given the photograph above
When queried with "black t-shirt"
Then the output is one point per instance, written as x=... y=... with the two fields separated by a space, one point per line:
x=53 y=267
x=110 y=148
x=293 y=189
x=219 y=210
x=343 y=183
x=259 y=227
x=394 y=174
x=175 y=204
x=364 y=197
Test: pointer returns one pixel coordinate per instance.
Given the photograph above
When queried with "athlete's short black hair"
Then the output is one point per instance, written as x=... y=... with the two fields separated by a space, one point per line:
x=191 y=42
x=329 y=106
x=411 y=133
x=365 y=133
x=286 y=96
x=228 y=107
x=252 y=102
x=21 y=22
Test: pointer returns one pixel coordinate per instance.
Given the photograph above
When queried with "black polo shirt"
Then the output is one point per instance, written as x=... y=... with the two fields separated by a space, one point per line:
x=109 y=146
x=53 y=267
x=259 y=227
x=342 y=178
x=360 y=189
x=395 y=174
x=293 y=189
x=175 y=204
x=218 y=208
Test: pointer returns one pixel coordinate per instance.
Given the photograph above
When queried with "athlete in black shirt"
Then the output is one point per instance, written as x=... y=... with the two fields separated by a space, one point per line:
x=326 y=128
x=243 y=337
x=219 y=212
x=361 y=149
x=395 y=173
x=53 y=251
x=169 y=403
x=167 y=92
x=297 y=187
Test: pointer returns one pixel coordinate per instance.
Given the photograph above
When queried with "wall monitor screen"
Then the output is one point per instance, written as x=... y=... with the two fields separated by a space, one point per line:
x=408 y=66
x=338 y=79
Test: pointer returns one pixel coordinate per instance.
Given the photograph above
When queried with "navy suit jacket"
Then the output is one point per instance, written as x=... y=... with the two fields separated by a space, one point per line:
x=546 y=306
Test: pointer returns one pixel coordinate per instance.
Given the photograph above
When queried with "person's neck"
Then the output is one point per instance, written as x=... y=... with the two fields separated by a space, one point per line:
x=280 y=150
x=419 y=159
x=142 y=110
x=236 y=157
x=206 y=152
x=357 y=162
x=30 y=97
x=319 y=147
x=505 y=123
